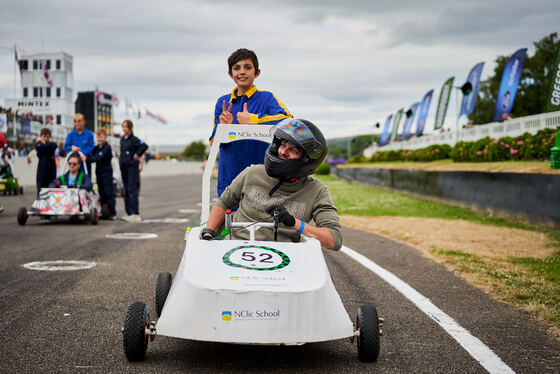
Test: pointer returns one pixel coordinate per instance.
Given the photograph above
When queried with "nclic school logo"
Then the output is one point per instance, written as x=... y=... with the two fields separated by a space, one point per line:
x=232 y=135
x=226 y=315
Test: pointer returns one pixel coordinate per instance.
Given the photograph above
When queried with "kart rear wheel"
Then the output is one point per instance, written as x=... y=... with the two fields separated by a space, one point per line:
x=21 y=190
x=135 y=340
x=367 y=322
x=93 y=216
x=163 y=286
x=22 y=215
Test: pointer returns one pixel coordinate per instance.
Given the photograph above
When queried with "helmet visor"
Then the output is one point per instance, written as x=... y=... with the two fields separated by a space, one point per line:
x=298 y=133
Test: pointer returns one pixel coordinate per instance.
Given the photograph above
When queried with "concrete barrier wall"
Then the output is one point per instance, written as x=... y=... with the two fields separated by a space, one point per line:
x=26 y=172
x=535 y=197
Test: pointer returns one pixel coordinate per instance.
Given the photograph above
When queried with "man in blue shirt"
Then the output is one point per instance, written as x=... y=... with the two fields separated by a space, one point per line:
x=245 y=105
x=80 y=140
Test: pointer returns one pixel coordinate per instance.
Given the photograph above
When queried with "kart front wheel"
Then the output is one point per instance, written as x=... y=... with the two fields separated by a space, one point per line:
x=22 y=215
x=93 y=216
x=367 y=322
x=135 y=340
x=163 y=285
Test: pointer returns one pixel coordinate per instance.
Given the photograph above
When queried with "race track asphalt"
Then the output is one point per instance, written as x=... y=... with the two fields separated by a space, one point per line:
x=71 y=321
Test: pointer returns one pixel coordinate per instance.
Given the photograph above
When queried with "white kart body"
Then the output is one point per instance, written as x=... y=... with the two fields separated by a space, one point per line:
x=252 y=292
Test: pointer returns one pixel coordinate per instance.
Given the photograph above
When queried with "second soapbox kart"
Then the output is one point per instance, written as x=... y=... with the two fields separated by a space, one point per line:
x=63 y=201
x=248 y=292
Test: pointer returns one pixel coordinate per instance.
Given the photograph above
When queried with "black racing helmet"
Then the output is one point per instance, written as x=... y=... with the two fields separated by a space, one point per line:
x=305 y=135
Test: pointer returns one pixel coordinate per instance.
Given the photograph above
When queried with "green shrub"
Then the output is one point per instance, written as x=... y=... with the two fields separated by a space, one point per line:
x=323 y=169
x=523 y=147
x=358 y=159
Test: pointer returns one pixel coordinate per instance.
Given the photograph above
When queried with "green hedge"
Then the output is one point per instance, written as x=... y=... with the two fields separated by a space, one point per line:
x=523 y=147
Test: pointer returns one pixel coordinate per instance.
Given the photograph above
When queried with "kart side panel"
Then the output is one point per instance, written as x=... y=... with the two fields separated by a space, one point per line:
x=253 y=292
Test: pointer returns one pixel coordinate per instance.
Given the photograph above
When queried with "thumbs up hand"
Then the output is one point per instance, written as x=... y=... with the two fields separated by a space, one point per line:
x=244 y=116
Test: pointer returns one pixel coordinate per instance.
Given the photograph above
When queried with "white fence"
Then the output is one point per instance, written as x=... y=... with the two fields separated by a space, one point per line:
x=496 y=130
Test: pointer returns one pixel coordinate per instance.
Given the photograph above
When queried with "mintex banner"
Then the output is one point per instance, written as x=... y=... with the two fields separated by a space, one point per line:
x=410 y=114
x=553 y=102
x=443 y=101
x=396 y=123
x=508 y=86
x=384 y=138
x=469 y=100
x=423 y=112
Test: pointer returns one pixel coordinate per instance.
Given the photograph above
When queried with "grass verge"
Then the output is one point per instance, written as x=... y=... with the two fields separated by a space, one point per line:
x=530 y=283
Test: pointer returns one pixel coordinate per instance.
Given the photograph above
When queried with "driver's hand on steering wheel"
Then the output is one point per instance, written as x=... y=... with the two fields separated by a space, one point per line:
x=283 y=215
x=208 y=234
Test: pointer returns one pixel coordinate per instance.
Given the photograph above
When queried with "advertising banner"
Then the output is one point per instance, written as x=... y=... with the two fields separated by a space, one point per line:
x=423 y=112
x=469 y=100
x=508 y=86
x=3 y=123
x=443 y=101
x=396 y=123
x=410 y=115
x=384 y=138
x=553 y=98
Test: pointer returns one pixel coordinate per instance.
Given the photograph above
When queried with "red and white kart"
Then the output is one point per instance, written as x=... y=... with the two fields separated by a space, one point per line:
x=248 y=291
x=63 y=201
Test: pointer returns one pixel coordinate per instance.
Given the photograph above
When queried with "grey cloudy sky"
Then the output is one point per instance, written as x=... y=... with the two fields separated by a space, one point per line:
x=343 y=65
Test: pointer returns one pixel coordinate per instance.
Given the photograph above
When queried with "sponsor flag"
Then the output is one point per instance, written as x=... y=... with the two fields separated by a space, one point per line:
x=469 y=100
x=384 y=138
x=423 y=112
x=46 y=73
x=161 y=119
x=553 y=101
x=115 y=100
x=150 y=114
x=396 y=123
x=508 y=86
x=443 y=101
x=410 y=114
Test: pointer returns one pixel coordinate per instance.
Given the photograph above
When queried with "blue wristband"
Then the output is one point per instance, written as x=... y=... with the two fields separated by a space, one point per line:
x=301 y=227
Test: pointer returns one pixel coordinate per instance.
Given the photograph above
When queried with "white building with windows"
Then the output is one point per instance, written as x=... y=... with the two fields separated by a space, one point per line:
x=41 y=96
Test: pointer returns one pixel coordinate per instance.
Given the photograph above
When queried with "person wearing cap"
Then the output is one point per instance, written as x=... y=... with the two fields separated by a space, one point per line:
x=283 y=185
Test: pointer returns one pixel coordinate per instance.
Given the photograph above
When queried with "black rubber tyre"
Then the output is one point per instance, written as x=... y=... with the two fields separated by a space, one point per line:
x=135 y=340
x=22 y=216
x=163 y=286
x=93 y=216
x=367 y=321
x=21 y=190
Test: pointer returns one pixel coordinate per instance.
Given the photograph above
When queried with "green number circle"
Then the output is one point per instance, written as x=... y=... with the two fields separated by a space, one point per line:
x=285 y=259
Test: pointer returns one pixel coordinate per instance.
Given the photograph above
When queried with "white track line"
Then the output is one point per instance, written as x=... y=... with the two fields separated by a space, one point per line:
x=477 y=349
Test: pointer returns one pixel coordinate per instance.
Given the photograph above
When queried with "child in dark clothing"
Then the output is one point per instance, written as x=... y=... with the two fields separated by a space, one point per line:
x=102 y=156
x=46 y=170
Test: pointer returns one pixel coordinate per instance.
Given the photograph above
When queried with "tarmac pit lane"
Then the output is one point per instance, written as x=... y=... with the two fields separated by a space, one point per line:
x=165 y=220
x=189 y=211
x=132 y=235
x=60 y=265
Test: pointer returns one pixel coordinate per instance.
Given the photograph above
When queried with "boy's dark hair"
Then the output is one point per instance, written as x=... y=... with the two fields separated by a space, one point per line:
x=45 y=131
x=242 y=54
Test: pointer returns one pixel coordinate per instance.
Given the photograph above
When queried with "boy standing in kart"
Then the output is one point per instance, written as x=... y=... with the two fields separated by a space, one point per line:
x=246 y=105
x=283 y=185
x=46 y=169
x=102 y=155
x=132 y=149
x=74 y=178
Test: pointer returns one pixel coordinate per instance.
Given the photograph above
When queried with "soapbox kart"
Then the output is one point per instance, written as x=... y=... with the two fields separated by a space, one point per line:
x=63 y=201
x=8 y=183
x=248 y=291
